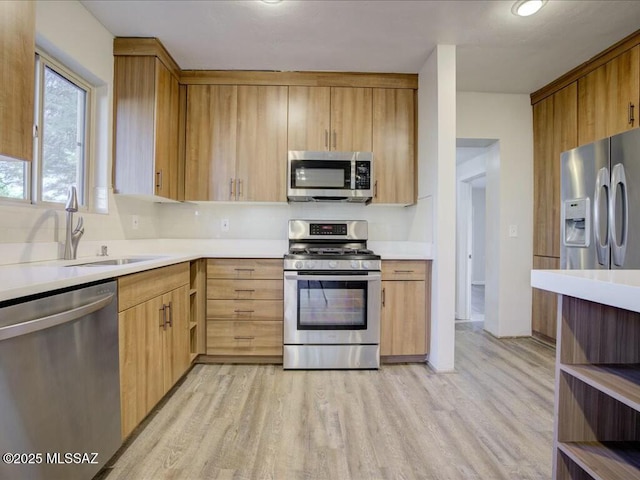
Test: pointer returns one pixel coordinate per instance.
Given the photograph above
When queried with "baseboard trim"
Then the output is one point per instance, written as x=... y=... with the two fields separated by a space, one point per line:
x=249 y=359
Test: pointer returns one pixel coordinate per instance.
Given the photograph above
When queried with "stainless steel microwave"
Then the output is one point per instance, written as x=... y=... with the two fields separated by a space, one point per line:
x=330 y=176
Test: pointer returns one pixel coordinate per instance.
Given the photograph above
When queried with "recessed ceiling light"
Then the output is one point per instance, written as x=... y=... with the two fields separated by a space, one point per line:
x=524 y=8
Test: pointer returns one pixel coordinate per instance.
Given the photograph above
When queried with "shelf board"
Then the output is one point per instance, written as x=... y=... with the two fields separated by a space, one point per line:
x=192 y=357
x=605 y=460
x=193 y=291
x=621 y=382
x=192 y=325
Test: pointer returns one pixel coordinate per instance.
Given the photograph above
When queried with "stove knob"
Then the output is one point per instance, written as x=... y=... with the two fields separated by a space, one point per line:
x=366 y=264
x=310 y=264
x=298 y=264
x=333 y=264
x=355 y=264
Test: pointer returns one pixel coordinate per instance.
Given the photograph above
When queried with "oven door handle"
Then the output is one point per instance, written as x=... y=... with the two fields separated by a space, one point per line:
x=369 y=277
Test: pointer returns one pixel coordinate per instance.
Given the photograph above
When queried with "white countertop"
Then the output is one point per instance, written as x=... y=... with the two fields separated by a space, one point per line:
x=23 y=279
x=617 y=288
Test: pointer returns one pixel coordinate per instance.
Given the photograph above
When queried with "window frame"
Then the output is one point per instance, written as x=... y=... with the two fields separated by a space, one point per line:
x=33 y=169
x=43 y=61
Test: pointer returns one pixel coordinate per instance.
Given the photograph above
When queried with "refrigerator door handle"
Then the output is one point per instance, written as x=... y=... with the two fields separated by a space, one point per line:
x=618 y=246
x=602 y=183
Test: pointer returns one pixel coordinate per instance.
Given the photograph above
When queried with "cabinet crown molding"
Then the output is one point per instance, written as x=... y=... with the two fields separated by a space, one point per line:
x=139 y=46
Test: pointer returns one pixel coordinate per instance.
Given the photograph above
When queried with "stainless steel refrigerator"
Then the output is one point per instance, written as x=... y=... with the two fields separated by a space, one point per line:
x=600 y=206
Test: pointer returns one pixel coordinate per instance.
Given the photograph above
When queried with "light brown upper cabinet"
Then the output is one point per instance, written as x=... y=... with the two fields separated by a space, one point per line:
x=394 y=145
x=146 y=100
x=17 y=64
x=212 y=112
x=608 y=98
x=330 y=118
x=555 y=130
x=236 y=143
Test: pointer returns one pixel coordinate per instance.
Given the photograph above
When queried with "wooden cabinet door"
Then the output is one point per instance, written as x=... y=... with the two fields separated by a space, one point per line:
x=605 y=96
x=403 y=318
x=351 y=119
x=394 y=145
x=261 y=143
x=555 y=130
x=141 y=361
x=17 y=64
x=210 y=160
x=544 y=304
x=309 y=117
x=176 y=336
x=166 y=133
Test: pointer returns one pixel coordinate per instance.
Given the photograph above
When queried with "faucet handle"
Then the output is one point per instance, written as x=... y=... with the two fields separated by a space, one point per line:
x=103 y=251
x=79 y=226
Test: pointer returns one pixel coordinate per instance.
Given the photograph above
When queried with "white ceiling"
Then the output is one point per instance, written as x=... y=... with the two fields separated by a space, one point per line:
x=496 y=51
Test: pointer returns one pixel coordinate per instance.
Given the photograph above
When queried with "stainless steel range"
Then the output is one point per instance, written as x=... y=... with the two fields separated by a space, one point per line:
x=332 y=295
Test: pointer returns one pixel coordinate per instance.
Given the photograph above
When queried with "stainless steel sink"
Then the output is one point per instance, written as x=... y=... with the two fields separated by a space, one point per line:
x=114 y=261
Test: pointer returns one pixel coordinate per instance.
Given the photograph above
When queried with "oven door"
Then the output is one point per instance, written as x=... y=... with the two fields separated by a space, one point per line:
x=332 y=308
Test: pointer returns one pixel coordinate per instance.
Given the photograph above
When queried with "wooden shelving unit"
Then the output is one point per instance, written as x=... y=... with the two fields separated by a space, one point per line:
x=197 y=299
x=597 y=393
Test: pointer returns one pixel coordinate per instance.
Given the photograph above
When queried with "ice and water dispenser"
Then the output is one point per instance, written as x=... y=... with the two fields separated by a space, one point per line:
x=576 y=222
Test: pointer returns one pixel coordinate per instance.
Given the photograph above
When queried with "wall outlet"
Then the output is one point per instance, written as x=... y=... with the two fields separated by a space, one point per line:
x=513 y=231
x=224 y=224
x=135 y=222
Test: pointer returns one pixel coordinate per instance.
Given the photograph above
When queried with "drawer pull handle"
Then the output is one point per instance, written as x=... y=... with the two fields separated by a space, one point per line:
x=250 y=290
x=243 y=311
x=403 y=271
x=238 y=337
x=244 y=269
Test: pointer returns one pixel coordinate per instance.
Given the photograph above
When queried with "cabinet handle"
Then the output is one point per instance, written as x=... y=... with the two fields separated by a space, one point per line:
x=326 y=138
x=631 y=118
x=383 y=297
x=163 y=324
x=403 y=271
x=245 y=290
x=170 y=307
x=238 y=337
x=159 y=180
x=231 y=191
x=239 y=188
x=334 y=139
x=243 y=311
x=244 y=269
x=375 y=189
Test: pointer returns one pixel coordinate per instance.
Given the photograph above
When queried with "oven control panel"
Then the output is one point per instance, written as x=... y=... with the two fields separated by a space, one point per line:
x=328 y=228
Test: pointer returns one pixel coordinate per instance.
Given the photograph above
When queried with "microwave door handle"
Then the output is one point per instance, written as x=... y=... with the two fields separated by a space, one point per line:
x=602 y=183
x=618 y=245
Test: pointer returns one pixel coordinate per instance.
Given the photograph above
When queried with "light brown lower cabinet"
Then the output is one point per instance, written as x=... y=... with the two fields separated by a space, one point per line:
x=405 y=312
x=244 y=308
x=597 y=393
x=153 y=323
x=544 y=305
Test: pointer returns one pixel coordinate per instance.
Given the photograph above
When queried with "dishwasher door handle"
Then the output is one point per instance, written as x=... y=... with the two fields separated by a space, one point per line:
x=31 y=326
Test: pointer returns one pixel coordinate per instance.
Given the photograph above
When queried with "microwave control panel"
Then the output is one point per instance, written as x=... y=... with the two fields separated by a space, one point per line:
x=363 y=175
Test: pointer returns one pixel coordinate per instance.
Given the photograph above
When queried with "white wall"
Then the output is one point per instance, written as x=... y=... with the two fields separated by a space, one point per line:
x=478 y=246
x=437 y=182
x=508 y=118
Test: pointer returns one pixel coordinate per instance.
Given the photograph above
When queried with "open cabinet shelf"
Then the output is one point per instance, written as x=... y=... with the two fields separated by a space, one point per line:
x=605 y=460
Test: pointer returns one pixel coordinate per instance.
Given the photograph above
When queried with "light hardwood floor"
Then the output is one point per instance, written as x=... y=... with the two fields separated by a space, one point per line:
x=492 y=419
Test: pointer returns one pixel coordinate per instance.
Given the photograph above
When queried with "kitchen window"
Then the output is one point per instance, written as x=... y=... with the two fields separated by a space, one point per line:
x=62 y=110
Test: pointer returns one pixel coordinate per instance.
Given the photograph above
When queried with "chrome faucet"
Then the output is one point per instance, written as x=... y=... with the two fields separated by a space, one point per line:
x=73 y=235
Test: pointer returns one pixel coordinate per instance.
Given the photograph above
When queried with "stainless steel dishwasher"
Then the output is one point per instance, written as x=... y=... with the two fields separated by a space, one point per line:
x=59 y=383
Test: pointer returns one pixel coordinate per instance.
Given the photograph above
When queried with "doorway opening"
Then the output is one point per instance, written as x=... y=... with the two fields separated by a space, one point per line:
x=472 y=158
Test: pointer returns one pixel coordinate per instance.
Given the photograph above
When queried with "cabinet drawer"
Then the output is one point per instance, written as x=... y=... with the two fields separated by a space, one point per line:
x=244 y=338
x=222 y=289
x=250 y=269
x=403 y=270
x=244 y=310
x=140 y=287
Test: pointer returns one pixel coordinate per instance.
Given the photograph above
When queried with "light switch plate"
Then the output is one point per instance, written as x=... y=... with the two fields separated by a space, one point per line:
x=513 y=231
x=135 y=222
x=224 y=224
